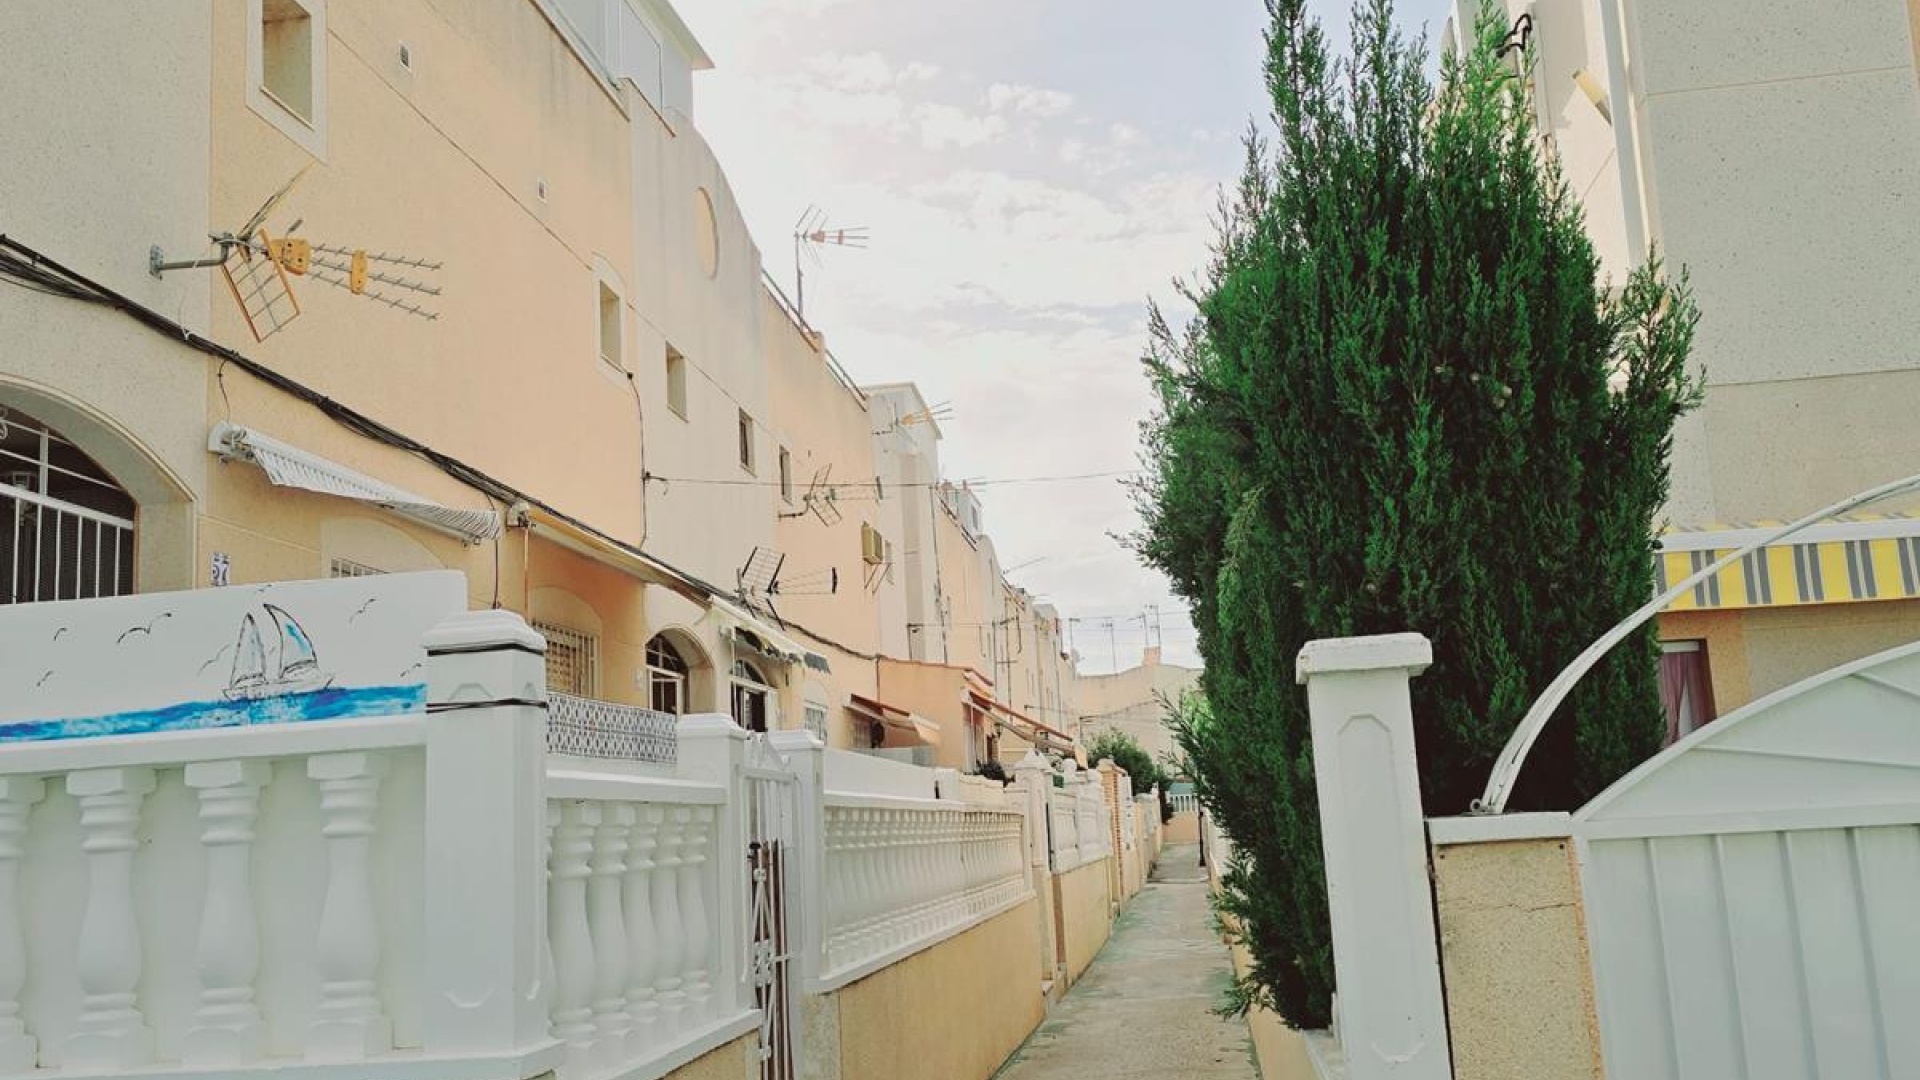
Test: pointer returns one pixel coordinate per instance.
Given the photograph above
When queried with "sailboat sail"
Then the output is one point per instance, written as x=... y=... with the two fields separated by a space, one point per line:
x=249 y=657
x=297 y=658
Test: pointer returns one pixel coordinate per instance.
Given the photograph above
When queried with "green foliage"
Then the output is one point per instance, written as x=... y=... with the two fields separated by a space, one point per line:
x=1405 y=403
x=1112 y=744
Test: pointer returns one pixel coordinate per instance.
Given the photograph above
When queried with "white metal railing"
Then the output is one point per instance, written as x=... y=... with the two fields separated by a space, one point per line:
x=586 y=727
x=54 y=550
x=903 y=874
x=1184 y=802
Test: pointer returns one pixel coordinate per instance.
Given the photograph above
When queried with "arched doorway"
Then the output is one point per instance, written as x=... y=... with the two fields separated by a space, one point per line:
x=67 y=527
x=752 y=697
x=669 y=677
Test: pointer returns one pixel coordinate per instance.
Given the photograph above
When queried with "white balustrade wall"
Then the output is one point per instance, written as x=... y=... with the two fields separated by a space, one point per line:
x=440 y=890
x=902 y=872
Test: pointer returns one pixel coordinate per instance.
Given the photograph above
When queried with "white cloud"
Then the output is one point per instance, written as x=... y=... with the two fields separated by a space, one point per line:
x=867 y=71
x=1029 y=100
x=944 y=126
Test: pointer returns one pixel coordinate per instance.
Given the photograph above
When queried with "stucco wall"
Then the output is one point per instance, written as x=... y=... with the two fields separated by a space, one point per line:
x=738 y=1060
x=1183 y=828
x=1513 y=945
x=1083 y=914
x=952 y=1012
x=1280 y=1051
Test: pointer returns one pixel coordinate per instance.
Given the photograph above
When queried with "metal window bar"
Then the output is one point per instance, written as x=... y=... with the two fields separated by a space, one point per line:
x=55 y=550
x=583 y=727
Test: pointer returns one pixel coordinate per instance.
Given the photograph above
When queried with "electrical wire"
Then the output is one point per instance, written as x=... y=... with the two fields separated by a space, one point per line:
x=20 y=262
x=853 y=489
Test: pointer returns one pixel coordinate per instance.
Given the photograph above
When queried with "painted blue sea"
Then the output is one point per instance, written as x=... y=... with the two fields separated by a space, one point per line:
x=332 y=703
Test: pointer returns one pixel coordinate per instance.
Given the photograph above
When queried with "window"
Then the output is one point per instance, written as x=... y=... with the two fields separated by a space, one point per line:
x=816 y=720
x=347 y=568
x=666 y=677
x=1686 y=687
x=66 y=528
x=676 y=382
x=749 y=697
x=286 y=55
x=786 y=475
x=746 y=441
x=286 y=68
x=571 y=667
x=610 y=320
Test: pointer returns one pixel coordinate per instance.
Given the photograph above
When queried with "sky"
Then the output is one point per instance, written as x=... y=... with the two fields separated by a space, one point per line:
x=1032 y=174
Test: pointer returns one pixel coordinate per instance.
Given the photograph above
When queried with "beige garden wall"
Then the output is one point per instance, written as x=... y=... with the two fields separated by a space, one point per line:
x=1083 y=913
x=952 y=1012
x=1513 y=947
x=738 y=1060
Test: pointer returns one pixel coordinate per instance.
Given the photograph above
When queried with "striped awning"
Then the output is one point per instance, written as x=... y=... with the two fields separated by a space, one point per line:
x=287 y=465
x=1855 y=559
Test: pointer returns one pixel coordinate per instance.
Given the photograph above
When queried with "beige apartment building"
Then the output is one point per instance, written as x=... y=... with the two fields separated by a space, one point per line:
x=1773 y=150
x=1135 y=701
x=532 y=341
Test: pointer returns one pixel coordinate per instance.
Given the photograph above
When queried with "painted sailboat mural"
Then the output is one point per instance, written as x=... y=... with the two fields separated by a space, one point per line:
x=276 y=653
x=294 y=666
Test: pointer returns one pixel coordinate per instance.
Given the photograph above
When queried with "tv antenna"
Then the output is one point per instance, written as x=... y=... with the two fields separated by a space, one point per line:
x=821 y=499
x=256 y=267
x=932 y=414
x=810 y=234
x=759 y=580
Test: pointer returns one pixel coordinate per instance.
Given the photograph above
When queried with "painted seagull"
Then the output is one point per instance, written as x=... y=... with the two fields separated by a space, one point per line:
x=44 y=678
x=215 y=658
x=362 y=609
x=147 y=629
x=57 y=633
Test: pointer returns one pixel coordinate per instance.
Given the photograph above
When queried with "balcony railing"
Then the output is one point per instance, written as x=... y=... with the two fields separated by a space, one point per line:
x=585 y=727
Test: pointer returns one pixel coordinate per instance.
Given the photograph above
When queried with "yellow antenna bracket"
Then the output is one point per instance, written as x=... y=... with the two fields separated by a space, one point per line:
x=293 y=255
x=357 y=273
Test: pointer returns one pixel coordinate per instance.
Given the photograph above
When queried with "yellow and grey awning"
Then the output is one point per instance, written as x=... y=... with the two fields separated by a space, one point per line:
x=287 y=465
x=1847 y=561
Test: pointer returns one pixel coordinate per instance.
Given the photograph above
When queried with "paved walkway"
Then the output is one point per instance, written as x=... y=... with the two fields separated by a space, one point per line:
x=1145 y=1007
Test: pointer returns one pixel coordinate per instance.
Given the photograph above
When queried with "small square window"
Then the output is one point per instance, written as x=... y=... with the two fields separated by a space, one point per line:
x=676 y=382
x=286 y=55
x=746 y=441
x=610 y=326
x=786 y=475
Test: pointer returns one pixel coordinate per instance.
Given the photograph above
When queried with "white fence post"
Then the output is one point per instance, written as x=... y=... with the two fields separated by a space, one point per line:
x=1391 y=1018
x=485 y=873
x=808 y=895
x=713 y=749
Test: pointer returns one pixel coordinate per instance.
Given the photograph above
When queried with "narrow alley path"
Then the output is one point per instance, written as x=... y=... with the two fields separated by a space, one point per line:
x=1145 y=1007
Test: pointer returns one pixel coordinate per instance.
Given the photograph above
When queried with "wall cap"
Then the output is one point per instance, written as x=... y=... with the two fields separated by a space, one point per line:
x=1411 y=653
x=1495 y=828
x=476 y=630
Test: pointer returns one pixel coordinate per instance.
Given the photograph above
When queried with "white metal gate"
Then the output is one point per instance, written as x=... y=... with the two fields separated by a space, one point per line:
x=1753 y=893
x=772 y=837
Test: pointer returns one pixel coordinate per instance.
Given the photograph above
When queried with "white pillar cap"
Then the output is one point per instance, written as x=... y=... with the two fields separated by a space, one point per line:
x=1411 y=653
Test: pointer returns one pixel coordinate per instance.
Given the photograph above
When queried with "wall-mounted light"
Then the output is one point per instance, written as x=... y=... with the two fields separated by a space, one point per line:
x=1595 y=93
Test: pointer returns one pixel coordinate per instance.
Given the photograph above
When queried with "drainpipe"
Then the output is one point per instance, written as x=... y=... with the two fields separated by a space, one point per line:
x=1626 y=146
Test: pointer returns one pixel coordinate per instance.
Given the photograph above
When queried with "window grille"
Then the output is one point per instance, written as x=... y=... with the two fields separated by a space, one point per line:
x=571 y=660
x=347 y=568
x=66 y=528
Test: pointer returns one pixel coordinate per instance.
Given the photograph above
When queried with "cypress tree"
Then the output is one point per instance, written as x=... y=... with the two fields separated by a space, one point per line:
x=1407 y=401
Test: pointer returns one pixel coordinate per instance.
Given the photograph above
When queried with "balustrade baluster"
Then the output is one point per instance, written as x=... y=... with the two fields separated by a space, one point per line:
x=698 y=980
x=835 y=914
x=866 y=930
x=643 y=933
x=606 y=919
x=668 y=988
x=227 y=1028
x=349 y=1023
x=111 y=1032
x=18 y=1049
x=571 y=933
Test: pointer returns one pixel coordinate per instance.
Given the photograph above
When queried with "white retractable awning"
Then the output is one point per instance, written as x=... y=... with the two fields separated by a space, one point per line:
x=289 y=466
x=741 y=625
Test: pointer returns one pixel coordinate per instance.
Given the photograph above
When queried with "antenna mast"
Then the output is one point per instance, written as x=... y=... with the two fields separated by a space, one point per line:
x=810 y=234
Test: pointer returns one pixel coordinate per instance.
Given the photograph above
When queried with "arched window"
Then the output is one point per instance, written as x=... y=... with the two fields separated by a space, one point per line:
x=66 y=527
x=667 y=673
x=750 y=695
